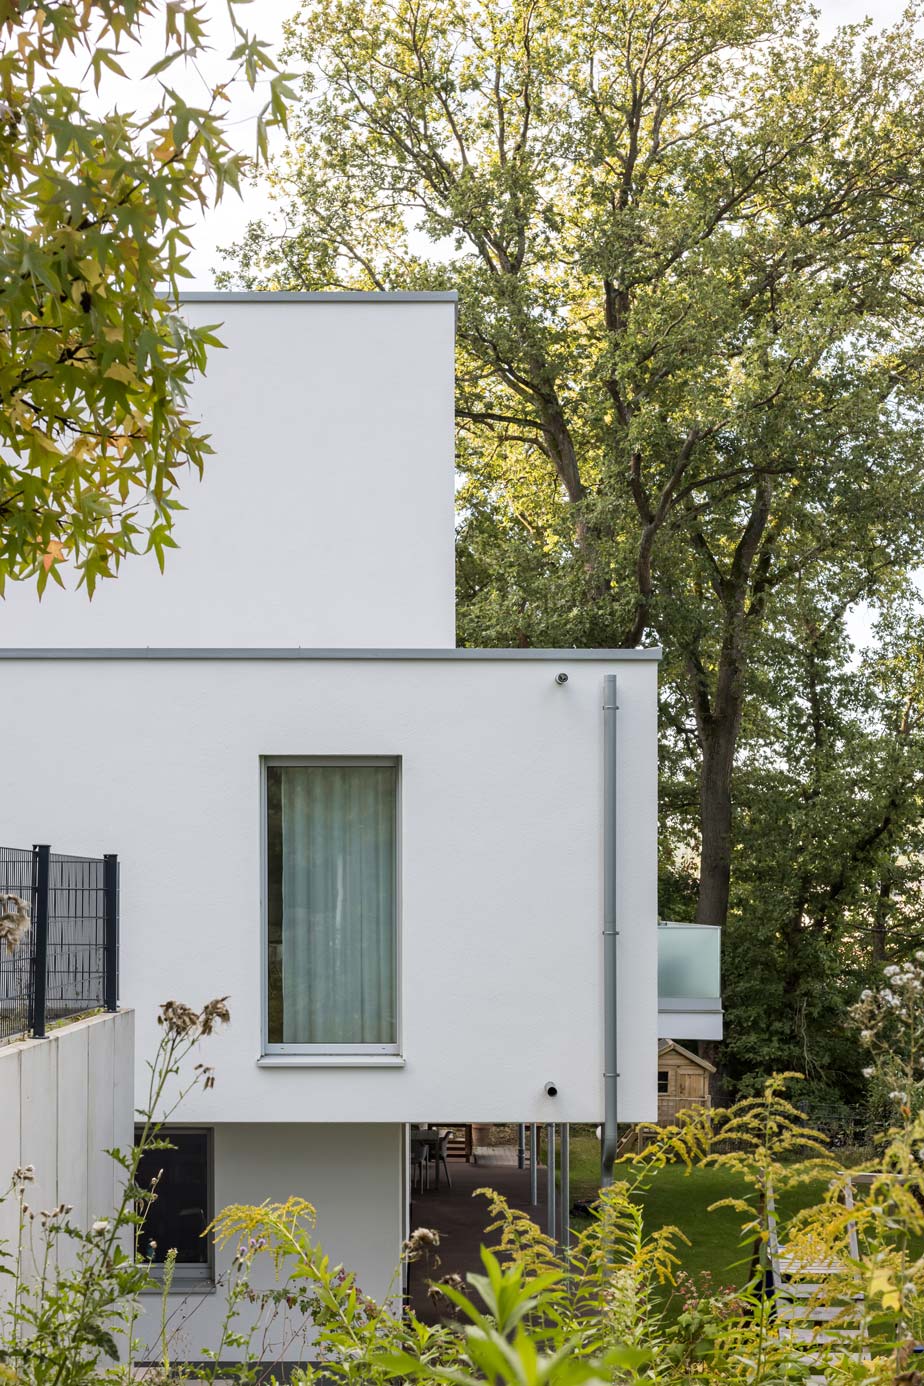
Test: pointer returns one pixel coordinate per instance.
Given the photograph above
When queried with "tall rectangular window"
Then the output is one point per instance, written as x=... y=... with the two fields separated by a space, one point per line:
x=331 y=907
x=181 y=1177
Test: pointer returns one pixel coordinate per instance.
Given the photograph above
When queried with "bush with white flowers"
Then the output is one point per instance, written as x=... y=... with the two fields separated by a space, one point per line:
x=890 y=1019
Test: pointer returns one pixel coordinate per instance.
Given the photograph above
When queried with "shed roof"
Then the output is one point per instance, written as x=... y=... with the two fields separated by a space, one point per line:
x=666 y=1045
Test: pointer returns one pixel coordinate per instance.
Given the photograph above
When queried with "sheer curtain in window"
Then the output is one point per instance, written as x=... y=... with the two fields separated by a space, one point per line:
x=338 y=904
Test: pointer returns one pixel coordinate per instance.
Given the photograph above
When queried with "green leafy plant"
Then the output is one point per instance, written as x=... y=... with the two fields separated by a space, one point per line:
x=95 y=360
x=536 y=1314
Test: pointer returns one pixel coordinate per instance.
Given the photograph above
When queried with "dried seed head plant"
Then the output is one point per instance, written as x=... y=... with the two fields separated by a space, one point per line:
x=15 y=920
x=423 y=1242
x=182 y=1022
x=64 y=1318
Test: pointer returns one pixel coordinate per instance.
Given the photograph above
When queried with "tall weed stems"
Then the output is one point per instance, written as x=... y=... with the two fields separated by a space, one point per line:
x=617 y=1306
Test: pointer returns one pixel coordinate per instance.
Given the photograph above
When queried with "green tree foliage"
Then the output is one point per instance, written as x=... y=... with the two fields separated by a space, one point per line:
x=686 y=240
x=829 y=844
x=94 y=361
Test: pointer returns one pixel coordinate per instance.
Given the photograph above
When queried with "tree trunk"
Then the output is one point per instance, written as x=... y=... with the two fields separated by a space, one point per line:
x=718 y=717
x=881 y=918
x=718 y=722
x=715 y=803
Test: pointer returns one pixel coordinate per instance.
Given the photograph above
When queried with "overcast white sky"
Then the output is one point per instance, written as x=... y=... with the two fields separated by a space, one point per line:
x=225 y=224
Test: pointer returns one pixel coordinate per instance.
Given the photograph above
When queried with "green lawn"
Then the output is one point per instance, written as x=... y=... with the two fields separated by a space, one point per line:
x=675 y=1196
x=681 y=1198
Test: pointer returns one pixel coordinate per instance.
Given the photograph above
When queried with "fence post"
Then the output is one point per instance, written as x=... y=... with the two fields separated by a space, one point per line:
x=40 y=863
x=111 y=914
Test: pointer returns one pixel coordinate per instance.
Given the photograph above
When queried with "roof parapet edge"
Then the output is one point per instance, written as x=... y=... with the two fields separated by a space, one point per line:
x=318 y=296
x=299 y=652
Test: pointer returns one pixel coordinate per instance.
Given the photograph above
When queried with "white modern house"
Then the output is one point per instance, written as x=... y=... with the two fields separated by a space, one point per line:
x=424 y=876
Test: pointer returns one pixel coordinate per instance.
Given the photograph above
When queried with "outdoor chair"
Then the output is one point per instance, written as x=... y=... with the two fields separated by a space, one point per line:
x=442 y=1149
x=420 y=1166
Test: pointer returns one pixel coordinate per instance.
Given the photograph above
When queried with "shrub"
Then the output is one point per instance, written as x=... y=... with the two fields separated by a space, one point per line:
x=536 y=1313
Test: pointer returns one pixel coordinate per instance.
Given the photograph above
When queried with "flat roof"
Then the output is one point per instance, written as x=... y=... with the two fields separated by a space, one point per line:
x=321 y=296
x=299 y=652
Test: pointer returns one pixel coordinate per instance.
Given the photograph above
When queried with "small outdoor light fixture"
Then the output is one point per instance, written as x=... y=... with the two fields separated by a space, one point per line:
x=561 y=678
x=551 y=1089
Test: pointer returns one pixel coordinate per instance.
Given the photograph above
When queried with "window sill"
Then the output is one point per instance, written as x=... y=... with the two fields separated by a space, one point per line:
x=181 y=1287
x=330 y=1061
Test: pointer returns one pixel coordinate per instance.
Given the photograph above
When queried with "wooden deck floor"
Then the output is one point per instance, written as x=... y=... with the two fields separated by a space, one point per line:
x=461 y=1219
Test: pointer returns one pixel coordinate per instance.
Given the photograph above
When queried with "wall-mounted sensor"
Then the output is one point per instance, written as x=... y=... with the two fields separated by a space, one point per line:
x=551 y=1089
x=561 y=678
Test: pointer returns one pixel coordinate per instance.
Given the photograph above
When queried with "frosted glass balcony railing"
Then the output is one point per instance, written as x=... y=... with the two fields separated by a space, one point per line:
x=689 y=976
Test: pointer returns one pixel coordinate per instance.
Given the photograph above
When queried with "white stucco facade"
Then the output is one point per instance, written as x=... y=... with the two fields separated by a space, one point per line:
x=352 y=1175
x=309 y=613
x=325 y=517
x=501 y=864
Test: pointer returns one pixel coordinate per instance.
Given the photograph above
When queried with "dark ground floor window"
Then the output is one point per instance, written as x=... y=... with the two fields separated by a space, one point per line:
x=182 y=1208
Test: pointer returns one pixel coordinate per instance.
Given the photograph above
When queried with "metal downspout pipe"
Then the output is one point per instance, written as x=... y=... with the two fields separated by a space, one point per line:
x=610 y=933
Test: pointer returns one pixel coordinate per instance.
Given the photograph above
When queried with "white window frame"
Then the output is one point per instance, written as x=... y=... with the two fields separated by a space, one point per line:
x=318 y=1052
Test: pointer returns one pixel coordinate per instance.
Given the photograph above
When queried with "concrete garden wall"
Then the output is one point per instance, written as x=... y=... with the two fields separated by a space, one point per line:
x=64 y=1101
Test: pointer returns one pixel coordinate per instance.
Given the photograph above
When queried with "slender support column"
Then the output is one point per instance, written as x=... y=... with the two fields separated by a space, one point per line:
x=610 y=932
x=551 y=1218
x=521 y=1146
x=565 y=1185
x=533 y=1165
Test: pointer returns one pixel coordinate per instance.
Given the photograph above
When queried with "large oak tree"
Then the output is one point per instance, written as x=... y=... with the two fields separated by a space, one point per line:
x=686 y=237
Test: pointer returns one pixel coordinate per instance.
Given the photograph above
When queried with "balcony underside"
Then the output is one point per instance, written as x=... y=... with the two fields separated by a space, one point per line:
x=680 y=1019
x=689 y=982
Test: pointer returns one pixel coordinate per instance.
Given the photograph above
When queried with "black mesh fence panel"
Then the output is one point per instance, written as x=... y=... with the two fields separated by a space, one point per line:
x=72 y=924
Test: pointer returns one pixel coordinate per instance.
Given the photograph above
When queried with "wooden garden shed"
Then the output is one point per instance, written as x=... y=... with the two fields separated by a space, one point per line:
x=683 y=1080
